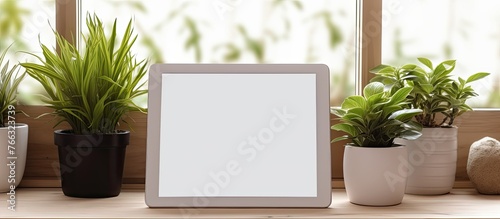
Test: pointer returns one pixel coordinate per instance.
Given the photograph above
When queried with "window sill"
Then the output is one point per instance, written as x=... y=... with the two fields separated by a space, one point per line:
x=51 y=203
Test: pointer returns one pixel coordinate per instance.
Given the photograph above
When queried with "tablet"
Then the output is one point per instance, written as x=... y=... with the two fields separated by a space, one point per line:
x=238 y=135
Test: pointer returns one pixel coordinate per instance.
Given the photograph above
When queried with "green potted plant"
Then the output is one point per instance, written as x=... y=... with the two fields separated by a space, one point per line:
x=374 y=166
x=13 y=135
x=91 y=89
x=442 y=99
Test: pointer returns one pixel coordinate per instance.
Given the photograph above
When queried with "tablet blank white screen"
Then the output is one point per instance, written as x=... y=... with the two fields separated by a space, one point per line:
x=238 y=135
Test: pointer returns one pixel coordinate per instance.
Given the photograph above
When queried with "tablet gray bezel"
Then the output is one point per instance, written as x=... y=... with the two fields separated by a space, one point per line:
x=323 y=136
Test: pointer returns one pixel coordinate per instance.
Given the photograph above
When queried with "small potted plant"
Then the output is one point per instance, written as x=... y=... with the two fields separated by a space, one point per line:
x=375 y=168
x=91 y=89
x=442 y=99
x=13 y=135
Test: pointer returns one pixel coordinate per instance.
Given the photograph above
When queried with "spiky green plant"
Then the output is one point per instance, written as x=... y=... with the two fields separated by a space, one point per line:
x=377 y=118
x=94 y=88
x=9 y=81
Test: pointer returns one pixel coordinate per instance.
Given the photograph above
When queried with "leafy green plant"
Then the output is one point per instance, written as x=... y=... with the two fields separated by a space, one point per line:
x=91 y=89
x=434 y=92
x=377 y=118
x=9 y=81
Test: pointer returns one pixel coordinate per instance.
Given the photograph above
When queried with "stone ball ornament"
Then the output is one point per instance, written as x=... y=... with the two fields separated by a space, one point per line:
x=483 y=166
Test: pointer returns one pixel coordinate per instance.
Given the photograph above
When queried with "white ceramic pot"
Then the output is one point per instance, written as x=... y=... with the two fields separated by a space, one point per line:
x=12 y=165
x=433 y=161
x=375 y=176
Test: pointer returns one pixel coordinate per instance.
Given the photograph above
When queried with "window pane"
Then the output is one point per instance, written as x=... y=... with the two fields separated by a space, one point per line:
x=237 y=31
x=23 y=24
x=466 y=31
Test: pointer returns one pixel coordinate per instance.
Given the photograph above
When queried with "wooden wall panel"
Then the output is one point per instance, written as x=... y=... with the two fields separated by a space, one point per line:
x=42 y=158
x=42 y=153
x=472 y=127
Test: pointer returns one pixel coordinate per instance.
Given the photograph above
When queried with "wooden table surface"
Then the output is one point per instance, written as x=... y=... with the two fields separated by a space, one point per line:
x=51 y=203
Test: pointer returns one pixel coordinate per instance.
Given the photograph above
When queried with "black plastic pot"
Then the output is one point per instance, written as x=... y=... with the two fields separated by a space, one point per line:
x=91 y=165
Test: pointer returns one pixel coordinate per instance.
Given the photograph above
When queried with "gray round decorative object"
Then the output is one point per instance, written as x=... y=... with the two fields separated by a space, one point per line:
x=483 y=166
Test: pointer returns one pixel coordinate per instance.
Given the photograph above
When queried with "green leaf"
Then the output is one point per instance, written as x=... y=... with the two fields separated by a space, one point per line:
x=444 y=69
x=376 y=99
x=341 y=138
x=413 y=125
x=419 y=75
x=449 y=63
x=354 y=102
x=388 y=124
x=409 y=67
x=426 y=62
x=400 y=95
x=462 y=81
x=357 y=112
x=345 y=128
x=373 y=88
x=427 y=88
x=410 y=135
x=378 y=68
x=337 y=112
x=409 y=77
x=388 y=110
x=387 y=71
x=466 y=107
x=477 y=76
x=405 y=114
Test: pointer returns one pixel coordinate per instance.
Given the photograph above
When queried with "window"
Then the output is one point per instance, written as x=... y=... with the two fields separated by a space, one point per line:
x=23 y=24
x=264 y=31
x=169 y=45
x=448 y=29
x=257 y=31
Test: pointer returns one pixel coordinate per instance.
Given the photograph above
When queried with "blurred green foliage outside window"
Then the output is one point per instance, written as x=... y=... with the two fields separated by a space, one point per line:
x=467 y=31
x=243 y=31
x=23 y=24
